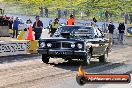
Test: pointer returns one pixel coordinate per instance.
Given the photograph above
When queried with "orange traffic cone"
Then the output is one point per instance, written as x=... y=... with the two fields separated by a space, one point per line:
x=30 y=34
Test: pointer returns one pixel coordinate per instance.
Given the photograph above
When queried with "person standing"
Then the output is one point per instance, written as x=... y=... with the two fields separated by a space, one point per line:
x=125 y=17
x=37 y=28
x=101 y=15
x=65 y=13
x=15 y=27
x=74 y=13
x=1 y=20
x=87 y=13
x=10 y=22
x=94 y=20
x=121 y=29
x=111 y=28
x=130 y=18
x=46 y=12
x=82 y=14
x=110 y=14
x=106 y=15
x=41 y=11
x=53 y=27
x=29 y=21
x=71 y=20
x=58 y=13
x=5 y=21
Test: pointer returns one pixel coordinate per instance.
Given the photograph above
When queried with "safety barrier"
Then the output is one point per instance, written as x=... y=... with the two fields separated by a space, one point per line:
x=16 y=47
x=13 y=48
x=32 y=46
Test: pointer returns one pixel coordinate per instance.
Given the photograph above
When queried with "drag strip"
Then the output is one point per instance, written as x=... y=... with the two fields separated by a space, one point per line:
x=32 y=73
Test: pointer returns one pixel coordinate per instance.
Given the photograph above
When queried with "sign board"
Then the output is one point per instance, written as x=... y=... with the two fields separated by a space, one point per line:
x=13 y=48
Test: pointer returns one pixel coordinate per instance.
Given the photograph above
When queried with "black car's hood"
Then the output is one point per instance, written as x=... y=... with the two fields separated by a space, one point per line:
x=62 y=39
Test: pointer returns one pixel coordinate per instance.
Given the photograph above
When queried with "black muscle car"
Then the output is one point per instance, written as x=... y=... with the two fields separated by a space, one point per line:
x=75 y=42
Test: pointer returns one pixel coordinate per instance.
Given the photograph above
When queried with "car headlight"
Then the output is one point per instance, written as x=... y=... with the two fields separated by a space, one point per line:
x=42 y=44
x=49 y=44
x=72 y=45
x=79 y=46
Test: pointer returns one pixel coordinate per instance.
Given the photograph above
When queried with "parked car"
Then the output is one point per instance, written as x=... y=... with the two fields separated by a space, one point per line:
x=75 y=42
x=128 y=31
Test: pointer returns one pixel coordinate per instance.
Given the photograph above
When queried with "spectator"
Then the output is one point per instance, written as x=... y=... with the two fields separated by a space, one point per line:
x=111 y=28
x=29 y=21
x=1 y=20
x=110 y=16
x=82 y=14
x=46 y=12
x=37 y=28
x=125 y=17
x=92 y=24
x=73 y=12
x=10 y=22
x=130 y=18
x=53 y=27
x=106 y=15
x=71 y=20
x=87 y=13
x=121 y=29
x=59 y=13
x=41 y=11
x=15 y=27
x=5 y=21
x=94 y=20
x=65 y=13
x=101 y=14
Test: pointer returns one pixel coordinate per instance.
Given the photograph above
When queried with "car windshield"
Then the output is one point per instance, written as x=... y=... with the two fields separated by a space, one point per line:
x=75 y=31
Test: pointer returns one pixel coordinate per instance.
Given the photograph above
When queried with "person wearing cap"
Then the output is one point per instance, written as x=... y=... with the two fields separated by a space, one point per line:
x=71 y=20
x=37 y=28
x=53 y=27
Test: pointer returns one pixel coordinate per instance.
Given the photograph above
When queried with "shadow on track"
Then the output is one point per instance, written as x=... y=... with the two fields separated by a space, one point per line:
x=73 y=65
x=16 y=58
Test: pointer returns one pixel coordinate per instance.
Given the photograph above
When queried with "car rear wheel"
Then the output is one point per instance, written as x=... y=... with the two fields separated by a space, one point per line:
x=87 y=59
x=45 y=59
x=103 y=58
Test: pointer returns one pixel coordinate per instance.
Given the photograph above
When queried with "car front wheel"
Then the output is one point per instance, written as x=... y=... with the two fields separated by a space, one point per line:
x=103 y=58
x=45 y=59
